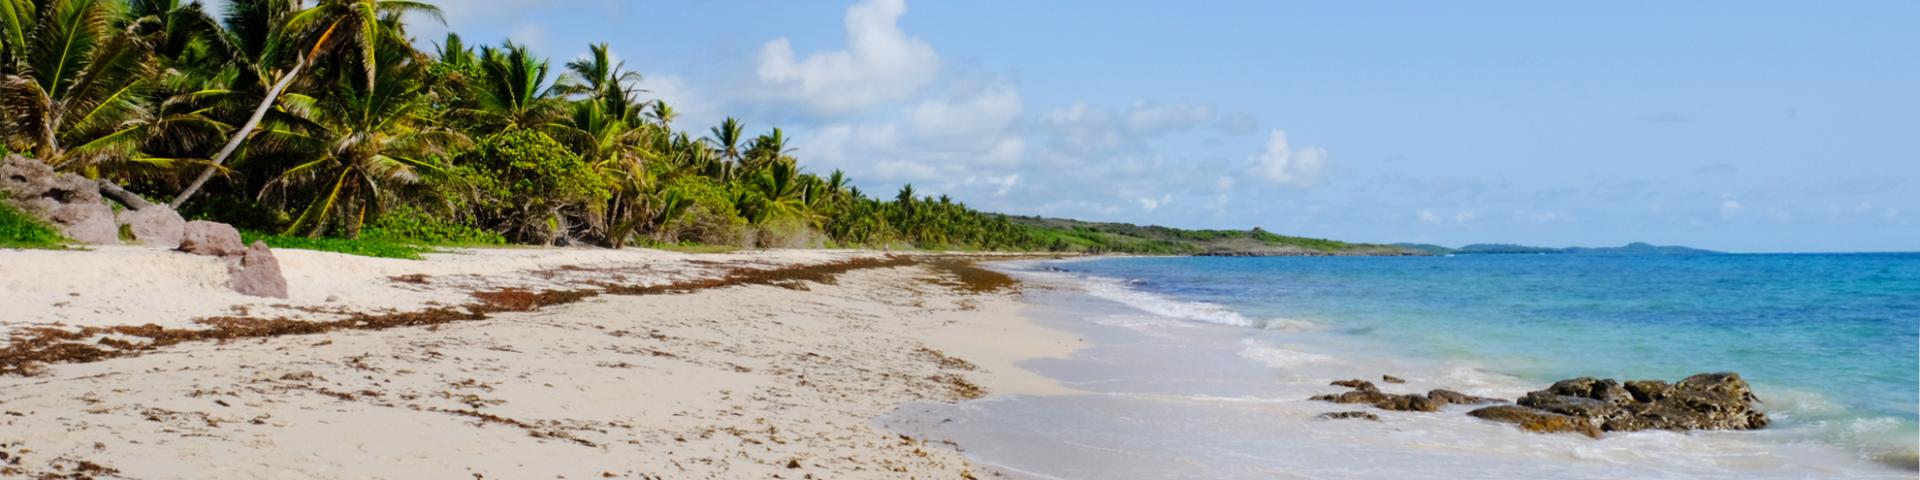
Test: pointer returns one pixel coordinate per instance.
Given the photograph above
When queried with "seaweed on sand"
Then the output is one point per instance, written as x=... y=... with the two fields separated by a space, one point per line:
x=27 y=351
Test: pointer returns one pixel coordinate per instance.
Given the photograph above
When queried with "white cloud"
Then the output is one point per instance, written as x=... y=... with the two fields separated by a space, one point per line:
x=1729 y=208
x=880 y=64
x=1284 y=165
x=1428 y=217
x=982 y=115
x=1151 y=118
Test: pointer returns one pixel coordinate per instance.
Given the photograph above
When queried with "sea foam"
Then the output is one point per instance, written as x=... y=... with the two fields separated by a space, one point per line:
x=1124 y=292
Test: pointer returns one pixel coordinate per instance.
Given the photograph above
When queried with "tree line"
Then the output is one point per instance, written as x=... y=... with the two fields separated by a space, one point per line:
x=324 y=119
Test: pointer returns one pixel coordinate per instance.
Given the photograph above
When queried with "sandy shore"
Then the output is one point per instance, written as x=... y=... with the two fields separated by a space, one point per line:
x=758 y=381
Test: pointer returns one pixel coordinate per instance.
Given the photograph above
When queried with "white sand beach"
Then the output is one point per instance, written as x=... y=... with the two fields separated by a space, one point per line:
x=734 y=382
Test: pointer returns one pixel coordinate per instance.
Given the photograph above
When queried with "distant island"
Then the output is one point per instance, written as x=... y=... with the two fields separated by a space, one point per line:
x=1636 y=248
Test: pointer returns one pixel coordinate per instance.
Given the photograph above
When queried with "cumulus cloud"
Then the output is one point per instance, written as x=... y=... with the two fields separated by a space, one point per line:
x=880 y=64
x=1156 y=118
x=1284 y=165
x=980 y=115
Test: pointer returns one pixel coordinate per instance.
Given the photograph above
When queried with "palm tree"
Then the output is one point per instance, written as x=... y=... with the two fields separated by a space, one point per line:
x=275 y=29
x=765 y=150
x=726 y=138
x=359 y=148
x=664 y=114
x=76 y=99
x=513 y=89
x=599 y=77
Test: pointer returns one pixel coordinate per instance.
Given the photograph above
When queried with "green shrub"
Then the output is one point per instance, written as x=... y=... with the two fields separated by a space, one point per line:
x=525 y=180
x=406 y=224
x=710 y=217
x=19 y=230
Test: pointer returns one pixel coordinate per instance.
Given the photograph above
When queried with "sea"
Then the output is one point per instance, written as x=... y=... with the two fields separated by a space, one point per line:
x=1200 y=367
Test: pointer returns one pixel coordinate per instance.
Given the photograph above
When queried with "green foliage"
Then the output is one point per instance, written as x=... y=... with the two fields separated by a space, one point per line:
x=410 y=225
x=709 y=216
x=528 y=166
x=364 y=247
x=359 y=135
x=19 y=230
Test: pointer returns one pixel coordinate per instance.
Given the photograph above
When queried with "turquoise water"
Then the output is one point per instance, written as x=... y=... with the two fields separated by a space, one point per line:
x=1831 y=342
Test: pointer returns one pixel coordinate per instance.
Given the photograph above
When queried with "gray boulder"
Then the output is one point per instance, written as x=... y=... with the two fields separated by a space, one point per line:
x=155 y=226
x=70 y=203
x=211 y=239
x=258 y=273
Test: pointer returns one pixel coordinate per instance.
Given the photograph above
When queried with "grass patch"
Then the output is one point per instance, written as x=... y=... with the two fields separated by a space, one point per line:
x=361 y=247
x=18 y=230
x=694 y=248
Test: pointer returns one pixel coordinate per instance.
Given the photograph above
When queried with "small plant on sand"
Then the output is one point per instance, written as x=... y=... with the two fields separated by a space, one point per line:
x=18 y=230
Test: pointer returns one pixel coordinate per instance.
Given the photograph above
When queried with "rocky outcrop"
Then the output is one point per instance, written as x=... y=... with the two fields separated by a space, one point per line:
x=212 y=239
x=258 y=273
x=70 y=203
x=1391 y=379
x=1365 y=392
x=1537 y=421
x=1708 y=401
x=1348 y=416
x=154 y=226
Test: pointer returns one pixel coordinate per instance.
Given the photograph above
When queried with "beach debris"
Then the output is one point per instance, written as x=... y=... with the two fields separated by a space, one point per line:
x=154 y=226
x=69 y=202
x=211 y=239
x=1365 y=392
x=1708 y=401
x=258 y=273
x=1391 y=379
x=1537 y=421
x=1348 y=416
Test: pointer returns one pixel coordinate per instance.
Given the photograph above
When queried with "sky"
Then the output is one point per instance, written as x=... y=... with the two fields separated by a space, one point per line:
x=1749 y=126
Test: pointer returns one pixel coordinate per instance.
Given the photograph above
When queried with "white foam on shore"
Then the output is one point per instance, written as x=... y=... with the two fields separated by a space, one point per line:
x=1123 y=292
x=1279 y=357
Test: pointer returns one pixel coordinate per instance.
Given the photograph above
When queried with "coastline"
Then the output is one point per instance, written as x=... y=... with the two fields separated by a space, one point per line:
x=1183 y=388
x=775 y=377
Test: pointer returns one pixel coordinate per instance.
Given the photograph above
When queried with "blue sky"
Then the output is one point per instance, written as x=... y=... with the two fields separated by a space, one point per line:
x=1744 y=126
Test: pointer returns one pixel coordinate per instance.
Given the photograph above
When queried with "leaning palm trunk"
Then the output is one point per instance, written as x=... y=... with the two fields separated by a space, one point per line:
x=246 y=130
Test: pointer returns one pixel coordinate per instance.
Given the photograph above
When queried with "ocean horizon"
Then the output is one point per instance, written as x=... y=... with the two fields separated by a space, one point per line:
x=1201 y=367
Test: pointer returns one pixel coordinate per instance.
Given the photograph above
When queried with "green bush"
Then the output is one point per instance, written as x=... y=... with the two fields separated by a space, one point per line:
x=520 y=166
x=525 y=180
x=709 y=219
x=407 y=224
x=18 y=230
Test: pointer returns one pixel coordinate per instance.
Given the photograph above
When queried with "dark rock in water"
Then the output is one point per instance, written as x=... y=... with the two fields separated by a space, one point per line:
x=1357 y=385
x=1409 y=403
x=258 y=273
x=70 y=203
x=1349 y=416
x=1391 y=379
x=212 y=239
x=1536 y=420
x=1443 y=396
x=1709 y=401
x=1365 y=392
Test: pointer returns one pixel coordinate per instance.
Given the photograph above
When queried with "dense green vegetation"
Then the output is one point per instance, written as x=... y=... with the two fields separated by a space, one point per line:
x=323 y=120
x=1073 y=235
x=17 y=230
